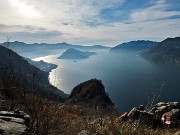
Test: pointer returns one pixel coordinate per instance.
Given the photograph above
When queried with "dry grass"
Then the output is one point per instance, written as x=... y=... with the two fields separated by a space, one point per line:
x=114 y=128
x=49 y=117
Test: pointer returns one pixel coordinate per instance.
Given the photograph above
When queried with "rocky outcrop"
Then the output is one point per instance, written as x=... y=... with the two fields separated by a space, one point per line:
x=137 y=114
x=91 y=93
x=156 y=115
x=160 y=108
x=14 y=123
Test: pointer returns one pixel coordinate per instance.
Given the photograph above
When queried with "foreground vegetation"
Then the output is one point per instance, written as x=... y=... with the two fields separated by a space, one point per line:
x=51 y=117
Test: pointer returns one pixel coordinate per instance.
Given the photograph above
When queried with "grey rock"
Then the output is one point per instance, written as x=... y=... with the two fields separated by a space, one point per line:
x=143 y=116
x=14 y=123
x=162 y=108
x=155 y=115
x=10 y=125
x=174 y=104
x=160 y=104
x=16 y=114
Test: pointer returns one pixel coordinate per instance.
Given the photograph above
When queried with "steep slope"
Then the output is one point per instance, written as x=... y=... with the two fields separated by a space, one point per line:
x=72 y=53
x=134 y=45
x=167 y=51
x=17 y=72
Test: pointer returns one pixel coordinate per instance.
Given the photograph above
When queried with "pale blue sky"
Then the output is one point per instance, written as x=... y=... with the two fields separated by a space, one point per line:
x=89 y=22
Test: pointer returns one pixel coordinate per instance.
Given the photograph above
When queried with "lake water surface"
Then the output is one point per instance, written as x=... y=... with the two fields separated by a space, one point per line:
x=129 y=79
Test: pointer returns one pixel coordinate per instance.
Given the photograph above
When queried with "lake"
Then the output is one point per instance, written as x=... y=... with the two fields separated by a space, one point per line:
x=129 y=79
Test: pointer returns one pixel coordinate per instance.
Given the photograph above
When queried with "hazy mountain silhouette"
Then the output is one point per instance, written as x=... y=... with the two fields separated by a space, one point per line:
x=134 y=45
x=35 y=50
x=167 y=51
x=16 y=45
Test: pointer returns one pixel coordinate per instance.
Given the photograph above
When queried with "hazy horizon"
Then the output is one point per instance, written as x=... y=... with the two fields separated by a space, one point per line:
x=111 y=46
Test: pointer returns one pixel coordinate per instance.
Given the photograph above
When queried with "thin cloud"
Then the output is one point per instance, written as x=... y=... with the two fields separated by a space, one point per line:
x=159 y=10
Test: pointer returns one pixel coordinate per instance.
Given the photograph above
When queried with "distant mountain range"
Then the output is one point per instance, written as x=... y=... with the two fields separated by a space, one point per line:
x=134 y=45
x=17 y=72
x=72 y=53
x=43 y=49
x=167 y=51
x=17 y=45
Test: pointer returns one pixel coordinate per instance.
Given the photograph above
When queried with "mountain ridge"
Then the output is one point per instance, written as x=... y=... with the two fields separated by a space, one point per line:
x=167 y=52
x=61 y=45
x=134 y=45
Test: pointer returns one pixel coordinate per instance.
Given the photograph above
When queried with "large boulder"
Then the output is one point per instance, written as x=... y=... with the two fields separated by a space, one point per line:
x=14 y=123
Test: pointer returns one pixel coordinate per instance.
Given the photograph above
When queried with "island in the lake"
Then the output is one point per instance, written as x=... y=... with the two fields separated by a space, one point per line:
x=72 y=53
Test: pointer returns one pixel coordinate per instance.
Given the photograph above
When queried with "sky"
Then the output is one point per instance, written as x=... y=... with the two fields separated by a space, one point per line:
x=88 y=22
